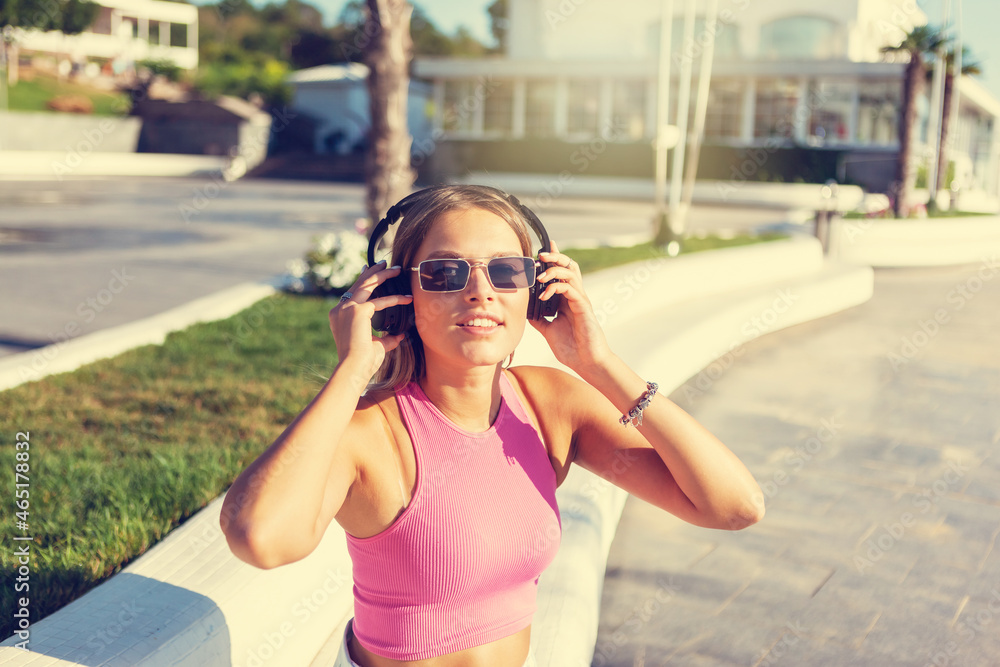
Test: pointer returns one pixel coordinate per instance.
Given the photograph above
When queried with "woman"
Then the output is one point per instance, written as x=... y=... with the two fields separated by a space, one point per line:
x=443 y=471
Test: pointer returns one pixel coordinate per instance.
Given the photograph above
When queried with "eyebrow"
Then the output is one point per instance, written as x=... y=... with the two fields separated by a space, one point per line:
x=448 y=254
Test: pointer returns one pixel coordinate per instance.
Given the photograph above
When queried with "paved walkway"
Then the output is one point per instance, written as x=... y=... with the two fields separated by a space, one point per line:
x=872 y=433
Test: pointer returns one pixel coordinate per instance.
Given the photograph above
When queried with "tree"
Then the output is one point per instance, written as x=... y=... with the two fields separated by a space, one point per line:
x=70 y=16
x=919 y=45
x=499 y=23
x=427 y=39
x=969 y=67
x=388 y=174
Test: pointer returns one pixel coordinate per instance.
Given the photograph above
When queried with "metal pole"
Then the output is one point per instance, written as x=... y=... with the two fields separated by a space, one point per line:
x=956 y=90
x=936 y=112
x=663 y=108
x=683 y=102
x=700 y=109
x=5 y=32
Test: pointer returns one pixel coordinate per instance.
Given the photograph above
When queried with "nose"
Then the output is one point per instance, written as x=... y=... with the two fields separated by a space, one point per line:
x=479 y=287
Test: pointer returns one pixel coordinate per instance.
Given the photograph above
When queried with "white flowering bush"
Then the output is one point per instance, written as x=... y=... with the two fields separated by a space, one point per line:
x=331 y=266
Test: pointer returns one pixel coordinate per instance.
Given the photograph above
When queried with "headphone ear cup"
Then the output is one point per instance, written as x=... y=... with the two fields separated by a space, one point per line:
x=537 y=309
x=395 y=319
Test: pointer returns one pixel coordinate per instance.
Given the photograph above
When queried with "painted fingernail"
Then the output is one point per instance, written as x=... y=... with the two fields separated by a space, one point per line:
x=396 y=267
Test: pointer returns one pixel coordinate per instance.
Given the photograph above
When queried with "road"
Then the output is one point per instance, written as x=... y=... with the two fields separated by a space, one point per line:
x=79 y=256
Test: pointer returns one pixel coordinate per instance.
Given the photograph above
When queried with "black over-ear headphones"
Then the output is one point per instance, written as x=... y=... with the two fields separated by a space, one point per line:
x=397 y=319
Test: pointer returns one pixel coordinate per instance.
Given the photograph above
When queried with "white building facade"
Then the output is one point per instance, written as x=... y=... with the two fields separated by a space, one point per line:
x=127 y=31
x=805 y=76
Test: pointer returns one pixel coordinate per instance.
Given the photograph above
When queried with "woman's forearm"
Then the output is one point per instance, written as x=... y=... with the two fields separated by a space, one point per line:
x=707 y=472
x=270 y=512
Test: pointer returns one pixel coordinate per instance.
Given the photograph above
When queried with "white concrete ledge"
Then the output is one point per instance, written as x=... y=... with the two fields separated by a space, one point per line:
x=737 y=193
x=189 y=601
x=75 y=163
x=930 y=242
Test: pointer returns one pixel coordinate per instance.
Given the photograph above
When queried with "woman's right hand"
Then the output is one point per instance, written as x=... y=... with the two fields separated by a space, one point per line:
x=351 y=321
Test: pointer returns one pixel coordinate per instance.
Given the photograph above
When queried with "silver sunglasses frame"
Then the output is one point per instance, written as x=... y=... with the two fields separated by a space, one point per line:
x=472 y=265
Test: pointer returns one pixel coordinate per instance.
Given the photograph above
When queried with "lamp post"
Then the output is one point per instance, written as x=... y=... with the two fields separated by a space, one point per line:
x=8 y=36
x=666 y=135
x=701 y=109
x=677 y=211
x=937 y=113
x=956 y=95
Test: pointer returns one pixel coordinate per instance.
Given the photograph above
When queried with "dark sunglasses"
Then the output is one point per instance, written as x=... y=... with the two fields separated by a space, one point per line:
x=452 y=275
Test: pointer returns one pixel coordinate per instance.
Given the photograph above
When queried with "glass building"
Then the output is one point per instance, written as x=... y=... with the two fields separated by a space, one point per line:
x=789 y=75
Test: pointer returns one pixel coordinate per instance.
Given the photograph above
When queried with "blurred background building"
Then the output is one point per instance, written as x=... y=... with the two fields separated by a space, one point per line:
x=336 y=98
x=124 y=32
x=807 y=83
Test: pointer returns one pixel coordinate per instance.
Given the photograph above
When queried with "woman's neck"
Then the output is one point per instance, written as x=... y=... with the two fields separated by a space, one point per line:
x=469 y=398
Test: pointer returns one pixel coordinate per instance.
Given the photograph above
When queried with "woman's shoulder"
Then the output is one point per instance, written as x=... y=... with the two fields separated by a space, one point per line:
x=549 y=390
x=377 y=418
x=542 y=378
x=378 y=404
x=549 y=395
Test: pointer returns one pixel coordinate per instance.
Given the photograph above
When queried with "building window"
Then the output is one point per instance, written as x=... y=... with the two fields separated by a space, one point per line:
x=628 y=110
x=775 y=108
x=830 y=108
x=723 y=118
x=129 y=27
x=805 y=37
x=878 y=111
x=727 y=42
x=498 y=108
x=584 y=101
x=179 y=35
x=540 y=105
x=460 y=102
x=101 y=24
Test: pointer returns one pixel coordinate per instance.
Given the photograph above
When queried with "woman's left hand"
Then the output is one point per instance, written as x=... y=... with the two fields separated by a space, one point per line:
x=575 y=335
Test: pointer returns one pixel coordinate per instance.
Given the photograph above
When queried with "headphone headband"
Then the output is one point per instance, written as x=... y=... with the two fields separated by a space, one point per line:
x=397 y=319
x=400 y=208
x=392 y=216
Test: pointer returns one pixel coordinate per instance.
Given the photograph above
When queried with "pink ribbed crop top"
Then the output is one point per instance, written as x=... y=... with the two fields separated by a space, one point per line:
x=459 y=567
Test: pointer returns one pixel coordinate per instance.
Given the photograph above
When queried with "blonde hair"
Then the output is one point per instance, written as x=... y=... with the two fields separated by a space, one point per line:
x=421 y=209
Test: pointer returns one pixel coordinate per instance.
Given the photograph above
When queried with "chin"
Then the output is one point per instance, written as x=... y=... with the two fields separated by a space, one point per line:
x=486 y=355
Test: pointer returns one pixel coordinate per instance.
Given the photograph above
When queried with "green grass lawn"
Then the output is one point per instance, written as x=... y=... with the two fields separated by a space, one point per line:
x=593 y=259
x=32 y=96
x=124 y=450
x=857 y=215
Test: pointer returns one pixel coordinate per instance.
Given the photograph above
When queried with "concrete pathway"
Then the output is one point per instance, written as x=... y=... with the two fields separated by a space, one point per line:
x=872 y=433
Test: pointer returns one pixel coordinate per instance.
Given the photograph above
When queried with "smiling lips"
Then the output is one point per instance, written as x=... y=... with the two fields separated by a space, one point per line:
x=483 y=322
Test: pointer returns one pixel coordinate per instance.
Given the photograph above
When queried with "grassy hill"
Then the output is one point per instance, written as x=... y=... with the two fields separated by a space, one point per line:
x=32 y=95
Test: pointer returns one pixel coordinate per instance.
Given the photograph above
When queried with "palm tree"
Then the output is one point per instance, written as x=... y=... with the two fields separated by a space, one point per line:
x=919 y=44
x=389 y=176
x=969 y=67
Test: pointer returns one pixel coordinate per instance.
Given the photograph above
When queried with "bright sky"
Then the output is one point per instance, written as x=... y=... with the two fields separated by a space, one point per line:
x=447 y=15
x=980 y=21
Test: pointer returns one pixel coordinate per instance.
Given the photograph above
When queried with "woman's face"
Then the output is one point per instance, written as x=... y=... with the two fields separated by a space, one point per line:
x=480 y=325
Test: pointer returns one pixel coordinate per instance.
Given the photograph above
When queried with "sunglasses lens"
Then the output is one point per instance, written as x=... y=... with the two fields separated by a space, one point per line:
x=452 y=275
x=443 y=275
x=511 y=272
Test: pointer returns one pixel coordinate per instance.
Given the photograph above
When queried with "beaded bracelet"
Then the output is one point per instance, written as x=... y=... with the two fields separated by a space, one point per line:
x=634 y=415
